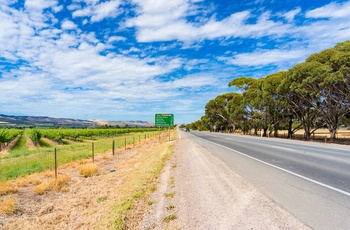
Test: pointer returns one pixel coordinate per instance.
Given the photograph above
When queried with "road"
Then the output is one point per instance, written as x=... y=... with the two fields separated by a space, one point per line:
x=309 y=180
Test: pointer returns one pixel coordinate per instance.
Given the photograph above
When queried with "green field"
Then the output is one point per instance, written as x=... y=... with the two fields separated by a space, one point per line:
x=22 y=160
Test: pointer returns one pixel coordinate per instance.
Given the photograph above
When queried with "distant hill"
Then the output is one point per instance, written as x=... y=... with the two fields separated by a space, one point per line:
x=38 y=121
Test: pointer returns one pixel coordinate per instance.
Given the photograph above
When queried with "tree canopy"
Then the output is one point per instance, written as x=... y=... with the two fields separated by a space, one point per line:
x=311 y=95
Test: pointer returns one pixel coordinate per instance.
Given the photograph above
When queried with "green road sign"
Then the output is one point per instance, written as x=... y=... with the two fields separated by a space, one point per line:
x=164 y=120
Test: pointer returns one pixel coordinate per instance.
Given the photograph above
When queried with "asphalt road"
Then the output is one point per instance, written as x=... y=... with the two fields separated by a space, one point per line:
x=310 y=180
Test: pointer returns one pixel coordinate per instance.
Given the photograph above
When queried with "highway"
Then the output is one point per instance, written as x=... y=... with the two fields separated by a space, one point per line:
x=309 y=180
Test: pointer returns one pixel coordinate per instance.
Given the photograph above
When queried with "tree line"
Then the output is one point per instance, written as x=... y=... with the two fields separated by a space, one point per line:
x=311 y=95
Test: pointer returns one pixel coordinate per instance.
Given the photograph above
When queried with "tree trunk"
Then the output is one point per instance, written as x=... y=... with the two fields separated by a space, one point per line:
x=265 y=132
x=290 y=124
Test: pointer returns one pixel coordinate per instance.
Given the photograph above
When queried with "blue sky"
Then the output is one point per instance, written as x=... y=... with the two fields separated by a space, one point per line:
x=128 y=60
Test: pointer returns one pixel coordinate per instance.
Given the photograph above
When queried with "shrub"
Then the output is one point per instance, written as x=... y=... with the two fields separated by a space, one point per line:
x=8 y=205
x=88 y=170
x=7 y=188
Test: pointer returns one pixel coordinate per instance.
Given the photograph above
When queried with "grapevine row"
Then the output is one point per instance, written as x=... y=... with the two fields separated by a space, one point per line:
x=7 y=135
x=75 y=134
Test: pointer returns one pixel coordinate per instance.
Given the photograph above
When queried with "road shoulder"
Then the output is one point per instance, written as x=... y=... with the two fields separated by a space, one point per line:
x=198 y=191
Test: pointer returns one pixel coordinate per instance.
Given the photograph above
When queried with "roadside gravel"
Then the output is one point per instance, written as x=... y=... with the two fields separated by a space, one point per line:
x=198 y=191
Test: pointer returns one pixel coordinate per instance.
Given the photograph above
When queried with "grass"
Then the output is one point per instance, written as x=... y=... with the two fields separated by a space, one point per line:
x=150 y=202
x=7 y=188
x=101 y=199
x=153 y=188
x=88 y=170
x=172 y=182
x=170 y=218
x=170 y=207
x=21 y=161
x=138 y=186
x=169 y=195
x=44 y=144
x=8 y=205
x=20 y=147
x=58 y=185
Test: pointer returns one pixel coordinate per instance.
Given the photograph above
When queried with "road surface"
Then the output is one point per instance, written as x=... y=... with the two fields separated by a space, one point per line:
x=309 y=180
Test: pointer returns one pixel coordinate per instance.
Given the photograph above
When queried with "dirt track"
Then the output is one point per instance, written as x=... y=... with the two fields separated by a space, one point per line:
x=198 y=191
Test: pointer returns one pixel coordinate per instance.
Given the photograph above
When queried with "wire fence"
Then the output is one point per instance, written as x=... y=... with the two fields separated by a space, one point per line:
x=50 y=158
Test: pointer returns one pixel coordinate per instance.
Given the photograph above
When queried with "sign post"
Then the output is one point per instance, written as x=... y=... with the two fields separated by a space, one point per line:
x=164 y=120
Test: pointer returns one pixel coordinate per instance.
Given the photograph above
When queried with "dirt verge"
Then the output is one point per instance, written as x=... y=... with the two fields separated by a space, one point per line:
x=198 y=191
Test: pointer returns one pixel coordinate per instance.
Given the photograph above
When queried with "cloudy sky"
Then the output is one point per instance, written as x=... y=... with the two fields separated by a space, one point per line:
x=131 y=59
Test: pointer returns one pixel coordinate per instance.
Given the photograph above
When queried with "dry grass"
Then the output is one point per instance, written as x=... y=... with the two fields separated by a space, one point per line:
x=107 y=156
x=85 y=161
x=7 y=188
x=169 y=195
x=88 y=170
x=59 y=185
x=170 y=218
x=8 y=205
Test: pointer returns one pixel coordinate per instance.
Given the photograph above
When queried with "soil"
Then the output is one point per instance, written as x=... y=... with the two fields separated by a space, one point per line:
x=5 y=151
x=208 y=195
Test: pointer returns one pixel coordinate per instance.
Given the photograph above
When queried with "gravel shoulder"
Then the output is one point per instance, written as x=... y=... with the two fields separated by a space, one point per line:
x=198 y=191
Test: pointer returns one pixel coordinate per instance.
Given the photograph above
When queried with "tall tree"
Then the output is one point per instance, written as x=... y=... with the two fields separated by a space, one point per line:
x=250 y=87
x=332 y=88
x=217 y=111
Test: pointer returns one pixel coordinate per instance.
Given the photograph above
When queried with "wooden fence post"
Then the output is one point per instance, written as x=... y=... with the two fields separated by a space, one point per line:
x=55 y=163
x=113 y=147
x=92 y=150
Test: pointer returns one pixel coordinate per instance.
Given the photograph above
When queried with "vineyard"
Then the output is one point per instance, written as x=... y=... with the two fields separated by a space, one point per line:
x=7 y=135
x=71 y=144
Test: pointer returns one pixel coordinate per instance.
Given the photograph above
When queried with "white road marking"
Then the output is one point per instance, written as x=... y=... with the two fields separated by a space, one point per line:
x=282 y=169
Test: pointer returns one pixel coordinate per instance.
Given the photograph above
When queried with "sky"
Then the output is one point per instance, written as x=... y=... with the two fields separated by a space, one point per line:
x=129 y=60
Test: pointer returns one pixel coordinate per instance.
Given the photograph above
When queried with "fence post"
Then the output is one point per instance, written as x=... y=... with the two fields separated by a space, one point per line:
x=125 y=143
x=113 y=147
x=55 y=164
x=325 y=139
x=92 y=152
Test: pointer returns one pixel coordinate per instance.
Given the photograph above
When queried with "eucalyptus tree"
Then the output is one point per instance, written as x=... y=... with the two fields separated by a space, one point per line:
x=319 y=89
x=263 y=104
x=237 y=113
x=250 y=88
x=298 y=87
x=331 y=84
x=217 y=112
x=274 y=101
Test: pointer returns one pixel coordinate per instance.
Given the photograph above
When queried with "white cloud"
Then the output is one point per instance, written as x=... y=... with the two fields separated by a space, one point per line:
x=290 y=15
x=266 y=57
x=68 y=25
x=332 y=10
x=105 y=9
x=161 y=21
x=97 y=11
x=40 y=4
x=116 y=39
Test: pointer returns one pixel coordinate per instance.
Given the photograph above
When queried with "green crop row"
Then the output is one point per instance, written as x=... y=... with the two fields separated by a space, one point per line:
x=74 y=134
x=7 y=135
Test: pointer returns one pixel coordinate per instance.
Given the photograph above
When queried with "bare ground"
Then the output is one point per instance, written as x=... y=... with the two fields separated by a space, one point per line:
x=5 y=151
x=198 y=191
